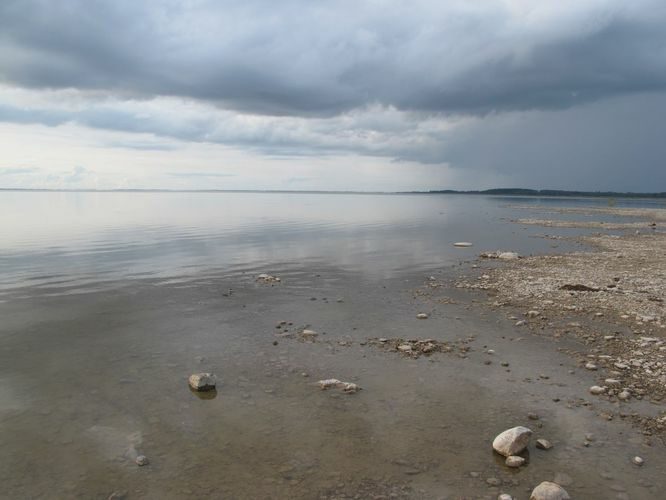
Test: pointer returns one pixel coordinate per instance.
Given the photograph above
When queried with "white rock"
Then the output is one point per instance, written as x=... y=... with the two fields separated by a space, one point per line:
x=512 y=441
x=508 y=255
x=637 y=461
x=422 y=316
x=348 y=387
x=462 y=244
x=514 y=461
x=624 y=395
x=505 y=496
x=309 y=335
x=328 y=383
x=596 y=390
x=543 y=444
x=590 y=366
x=549 y=491
x=533 y=314
x=405 y=348
x=202 y=381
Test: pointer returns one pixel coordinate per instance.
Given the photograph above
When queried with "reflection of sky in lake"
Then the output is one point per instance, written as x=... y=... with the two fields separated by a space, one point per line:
x=54 y=239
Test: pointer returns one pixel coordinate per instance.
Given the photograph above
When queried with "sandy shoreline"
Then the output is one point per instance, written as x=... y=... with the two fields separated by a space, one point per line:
x=611 y=299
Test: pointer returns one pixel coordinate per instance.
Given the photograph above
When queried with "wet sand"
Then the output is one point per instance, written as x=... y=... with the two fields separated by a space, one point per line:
x=90 y=381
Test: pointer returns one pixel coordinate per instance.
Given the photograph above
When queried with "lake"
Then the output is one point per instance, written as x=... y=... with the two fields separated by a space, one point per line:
x=109 y=301
x=73 y=242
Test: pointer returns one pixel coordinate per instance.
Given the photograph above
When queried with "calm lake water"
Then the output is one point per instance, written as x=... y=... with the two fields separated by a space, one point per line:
x=75 y=242
x=110 y=300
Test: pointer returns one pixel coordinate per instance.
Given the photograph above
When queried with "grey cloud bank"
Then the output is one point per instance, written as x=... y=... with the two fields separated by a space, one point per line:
x=550 y=94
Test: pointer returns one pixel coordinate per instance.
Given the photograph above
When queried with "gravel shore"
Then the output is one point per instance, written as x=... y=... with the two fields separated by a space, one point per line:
x=612 y=299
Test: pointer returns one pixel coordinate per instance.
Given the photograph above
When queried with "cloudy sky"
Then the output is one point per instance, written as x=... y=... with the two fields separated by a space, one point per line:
x=348 y=94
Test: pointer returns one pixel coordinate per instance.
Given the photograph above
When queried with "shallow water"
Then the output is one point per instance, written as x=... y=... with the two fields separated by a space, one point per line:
x=111 y=300
x=80 y=241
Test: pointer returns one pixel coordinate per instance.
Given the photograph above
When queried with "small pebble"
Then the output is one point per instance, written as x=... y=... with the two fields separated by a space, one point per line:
x=637 y=461
x=141 y=460
x=514 y=461
x=543 y=444
x=624 y=395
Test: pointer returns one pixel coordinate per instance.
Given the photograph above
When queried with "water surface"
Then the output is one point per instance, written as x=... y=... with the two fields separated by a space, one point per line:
x=64 y=241
x=110 y=300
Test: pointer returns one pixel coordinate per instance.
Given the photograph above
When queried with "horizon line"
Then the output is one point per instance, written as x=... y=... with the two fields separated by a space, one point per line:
x=491 y=191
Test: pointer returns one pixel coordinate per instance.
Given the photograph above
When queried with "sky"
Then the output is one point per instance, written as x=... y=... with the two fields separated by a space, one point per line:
x=333 y=95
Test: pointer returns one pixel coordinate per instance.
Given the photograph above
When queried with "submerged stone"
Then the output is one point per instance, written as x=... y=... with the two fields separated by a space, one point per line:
x=202 y=381
x=549 y=491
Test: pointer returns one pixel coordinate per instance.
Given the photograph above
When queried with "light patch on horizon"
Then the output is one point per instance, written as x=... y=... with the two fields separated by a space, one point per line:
x=64 y=147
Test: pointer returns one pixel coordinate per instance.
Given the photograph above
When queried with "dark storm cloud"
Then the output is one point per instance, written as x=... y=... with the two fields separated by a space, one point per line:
x=616 y=145
x=322 y=58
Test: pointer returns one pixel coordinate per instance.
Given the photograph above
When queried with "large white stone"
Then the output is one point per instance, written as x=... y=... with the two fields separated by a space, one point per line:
x=549 y=491
x=512 y=441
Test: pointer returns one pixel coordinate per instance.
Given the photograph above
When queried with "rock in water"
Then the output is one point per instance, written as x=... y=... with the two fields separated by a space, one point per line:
x=309 y=335
x=328 y=383
x=267 y=278
x=514 y=461
x=505 y=496
x=422 y=316
x=202 y=381
x=624 y=395
x=543 y=444
x=462 y=244
x=507 y=255
x=141 y=460
x=512 y=441
x=347 y=387
x=549 y=491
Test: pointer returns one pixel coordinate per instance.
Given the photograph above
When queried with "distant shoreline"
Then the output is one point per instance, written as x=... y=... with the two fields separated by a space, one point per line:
x=541 y=193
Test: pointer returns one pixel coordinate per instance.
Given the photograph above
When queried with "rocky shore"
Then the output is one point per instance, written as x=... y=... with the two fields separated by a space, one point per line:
x=611 y=299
